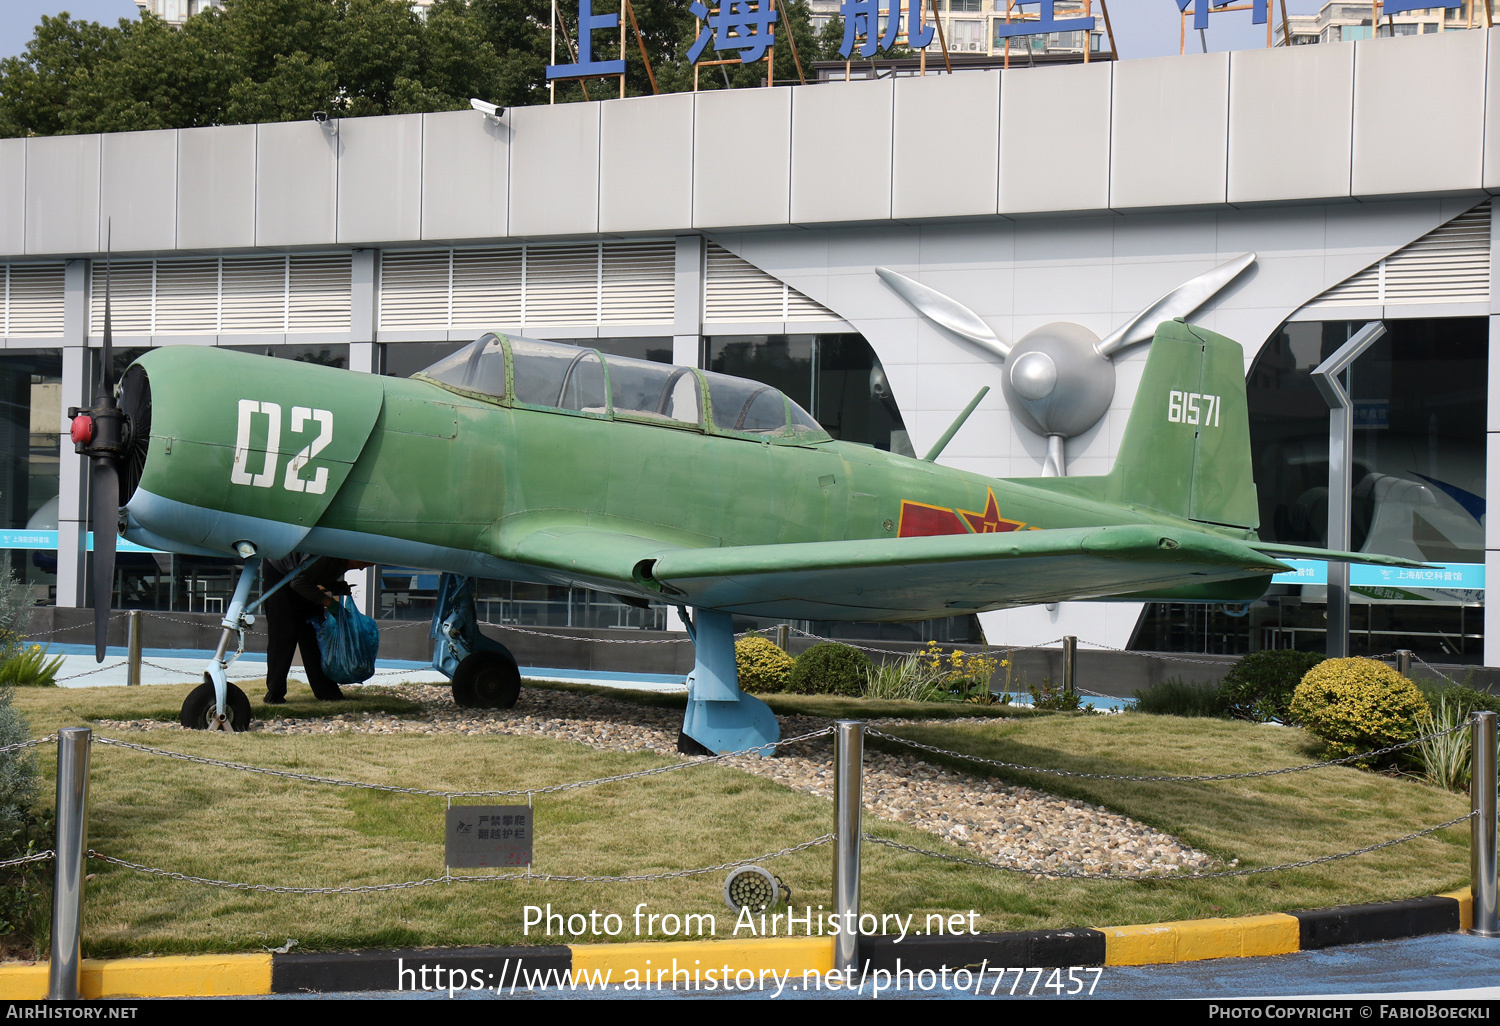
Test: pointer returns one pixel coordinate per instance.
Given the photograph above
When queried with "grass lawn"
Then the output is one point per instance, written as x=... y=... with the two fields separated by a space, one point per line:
x=227 y=825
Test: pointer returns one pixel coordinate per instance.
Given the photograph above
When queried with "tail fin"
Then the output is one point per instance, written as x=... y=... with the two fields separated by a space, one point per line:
x=1186 y=448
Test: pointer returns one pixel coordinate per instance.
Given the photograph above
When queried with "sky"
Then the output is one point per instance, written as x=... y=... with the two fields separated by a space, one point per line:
x=1143 y=28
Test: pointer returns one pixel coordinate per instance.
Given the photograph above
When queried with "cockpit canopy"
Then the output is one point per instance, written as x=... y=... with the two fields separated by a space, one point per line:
x=557 y=376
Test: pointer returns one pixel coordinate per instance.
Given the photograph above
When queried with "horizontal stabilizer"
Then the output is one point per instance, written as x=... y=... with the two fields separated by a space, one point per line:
x=1336 y=555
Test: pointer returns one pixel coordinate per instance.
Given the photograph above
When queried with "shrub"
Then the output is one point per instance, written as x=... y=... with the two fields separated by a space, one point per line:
x=911 y=678
x=1465 y=697
x=1445 y=759
x=28 y=666
x=1260 y=686
x=761 y=665
x=829 y=668
x=1049 y=697
x=1357 y=704
x=966 y=675
x=23 y=829
x=1177 y=697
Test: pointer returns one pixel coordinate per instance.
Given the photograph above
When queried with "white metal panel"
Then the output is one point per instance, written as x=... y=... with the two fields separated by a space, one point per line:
x=946 y=145
x=1054 y=138
x=646 y=163
x=138 y=190
x=34 y=300
x=1169 y=134
x=1418 y=114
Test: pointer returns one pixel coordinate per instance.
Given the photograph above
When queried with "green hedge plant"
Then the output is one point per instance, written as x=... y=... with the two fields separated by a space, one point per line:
x=829 y=668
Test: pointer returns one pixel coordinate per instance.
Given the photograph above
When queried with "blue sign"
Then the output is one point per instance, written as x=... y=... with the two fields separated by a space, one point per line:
x=862 y=18
x=1402 y=6
x=588 y=24
x=1047 y=22
x=47 y=541
x=743 y=25
x=1257 y=13
x=1464 y=576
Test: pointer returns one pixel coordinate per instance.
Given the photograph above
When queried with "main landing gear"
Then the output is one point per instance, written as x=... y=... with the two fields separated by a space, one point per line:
x=484 y=673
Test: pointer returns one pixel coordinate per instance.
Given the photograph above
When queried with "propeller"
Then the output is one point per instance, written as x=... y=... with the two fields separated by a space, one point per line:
x=101 y=433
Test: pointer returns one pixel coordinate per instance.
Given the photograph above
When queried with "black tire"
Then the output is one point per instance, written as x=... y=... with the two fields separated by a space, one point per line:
x=688 y=746
x=487 y=680
x=200 y=709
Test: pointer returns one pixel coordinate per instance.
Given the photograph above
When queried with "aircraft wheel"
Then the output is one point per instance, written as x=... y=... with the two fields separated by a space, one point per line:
x=201 y=709
x=487 y=680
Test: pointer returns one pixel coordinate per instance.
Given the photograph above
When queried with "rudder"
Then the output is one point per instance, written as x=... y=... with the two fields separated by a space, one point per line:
x=1186 y=448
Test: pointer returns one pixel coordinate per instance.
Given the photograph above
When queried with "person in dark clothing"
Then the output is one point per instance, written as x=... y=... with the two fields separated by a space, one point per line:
x=291 y=616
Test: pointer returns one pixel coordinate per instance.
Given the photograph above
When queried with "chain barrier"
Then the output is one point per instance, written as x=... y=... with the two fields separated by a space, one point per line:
x=97 y=669
x=1163 y=873
x=405 y=884
x=550 y=789
x=871 y=731
x=1434 y=669
x=71 y=627
x=41 y=856
x=29 y=744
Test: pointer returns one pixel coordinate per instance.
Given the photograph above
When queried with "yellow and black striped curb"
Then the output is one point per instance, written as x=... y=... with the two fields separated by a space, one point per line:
x=493 y=967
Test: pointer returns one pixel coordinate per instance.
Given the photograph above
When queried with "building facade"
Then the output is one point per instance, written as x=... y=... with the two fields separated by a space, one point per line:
x=741 y=230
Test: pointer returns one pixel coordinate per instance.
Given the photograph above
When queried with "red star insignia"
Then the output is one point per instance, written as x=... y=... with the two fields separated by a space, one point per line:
x=990 y=521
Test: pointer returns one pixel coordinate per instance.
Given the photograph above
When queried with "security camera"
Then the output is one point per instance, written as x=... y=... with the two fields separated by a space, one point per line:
x=320 y=116
x=489 y=110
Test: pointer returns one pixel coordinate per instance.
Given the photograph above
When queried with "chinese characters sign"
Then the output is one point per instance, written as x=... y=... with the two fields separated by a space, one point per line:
x=489 y=835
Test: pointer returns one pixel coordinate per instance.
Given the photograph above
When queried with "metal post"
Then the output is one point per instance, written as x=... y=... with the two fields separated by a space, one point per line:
x=1340 y=444
x=1070 y=660
x=1403 y=661
x=782 y=636
x=72 y=844
x=133 y=647
x=848 y=770
x=1482 y=867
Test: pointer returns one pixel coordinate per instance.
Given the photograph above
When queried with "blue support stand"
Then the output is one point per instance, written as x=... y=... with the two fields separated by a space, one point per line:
x=455 y=626
x=720 y=716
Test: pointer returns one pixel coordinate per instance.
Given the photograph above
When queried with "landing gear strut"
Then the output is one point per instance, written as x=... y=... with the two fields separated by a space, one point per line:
x=484 y=673
x=720 y=717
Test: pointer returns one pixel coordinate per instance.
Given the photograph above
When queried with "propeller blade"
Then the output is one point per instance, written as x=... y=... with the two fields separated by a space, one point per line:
x=106 y=355
x=944 y=310
x=1180 y=302
x=104 y=512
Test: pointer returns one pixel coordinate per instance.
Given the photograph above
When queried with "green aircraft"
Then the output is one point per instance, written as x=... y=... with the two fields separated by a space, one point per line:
x=538 y=461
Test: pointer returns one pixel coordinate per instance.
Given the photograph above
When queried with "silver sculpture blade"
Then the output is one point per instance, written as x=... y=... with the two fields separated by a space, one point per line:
x=942 y=310
x=1180 y=302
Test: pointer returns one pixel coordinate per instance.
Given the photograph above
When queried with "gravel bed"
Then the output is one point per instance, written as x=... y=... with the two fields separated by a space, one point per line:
x=1017 y=826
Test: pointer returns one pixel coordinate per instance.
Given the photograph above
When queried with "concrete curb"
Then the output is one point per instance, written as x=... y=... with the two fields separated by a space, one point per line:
x=461 y=969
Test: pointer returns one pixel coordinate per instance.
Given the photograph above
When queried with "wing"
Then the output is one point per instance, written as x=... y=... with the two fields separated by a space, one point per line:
x=1336 y=555
x=917 y=578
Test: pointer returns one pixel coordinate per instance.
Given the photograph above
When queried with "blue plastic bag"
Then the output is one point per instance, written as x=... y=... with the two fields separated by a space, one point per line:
x=348 y=640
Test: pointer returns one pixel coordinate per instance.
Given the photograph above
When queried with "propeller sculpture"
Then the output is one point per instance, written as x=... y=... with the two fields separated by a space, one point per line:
x=1060 y=377
x=101 y=433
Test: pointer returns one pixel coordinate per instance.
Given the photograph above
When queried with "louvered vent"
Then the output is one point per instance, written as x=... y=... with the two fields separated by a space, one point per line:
x=486 y=290
x=735 y=290
x=562 y=285
x=33 y=300
x=515 y=287
x=639 y=283
x=224 y=295
x=1450 y=264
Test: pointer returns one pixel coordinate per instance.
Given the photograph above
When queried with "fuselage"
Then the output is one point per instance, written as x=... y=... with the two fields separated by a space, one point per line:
x=290 y=456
